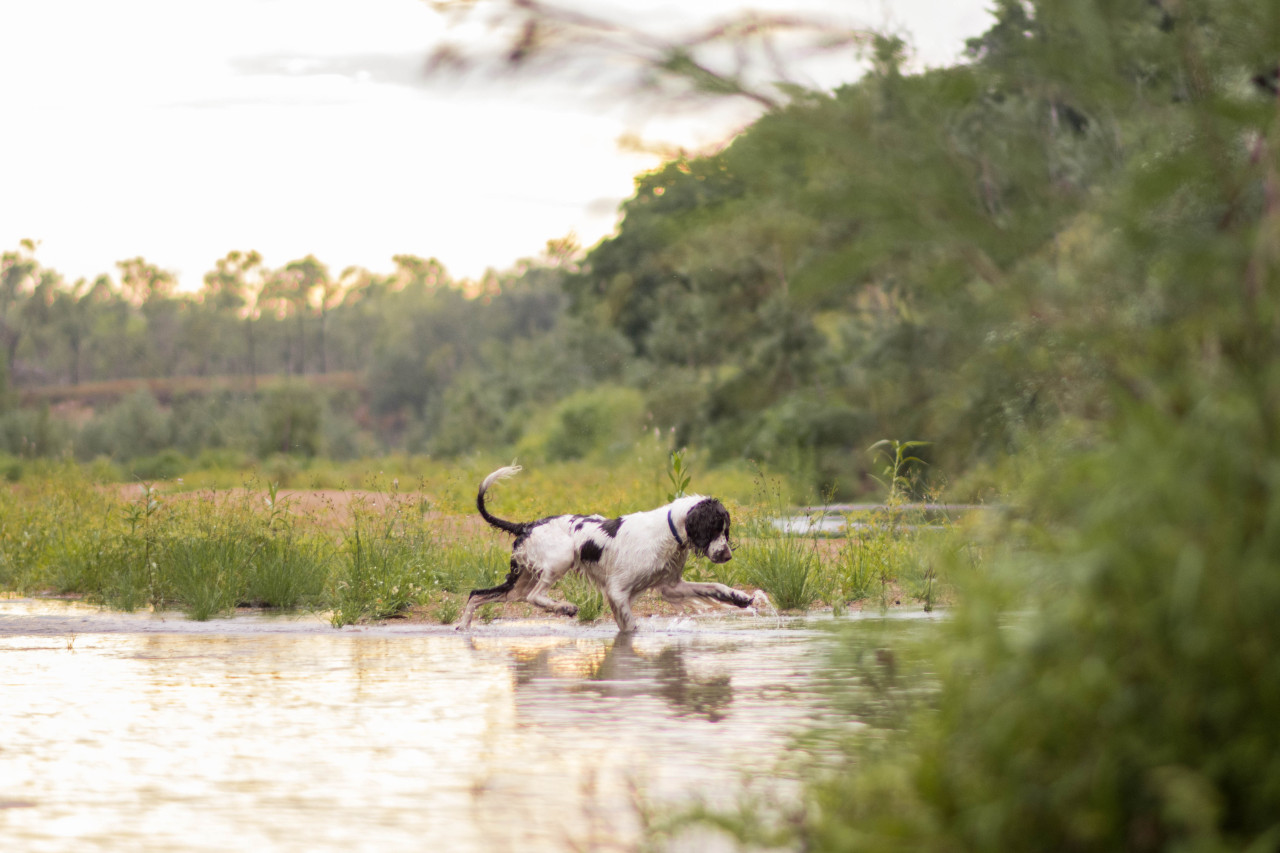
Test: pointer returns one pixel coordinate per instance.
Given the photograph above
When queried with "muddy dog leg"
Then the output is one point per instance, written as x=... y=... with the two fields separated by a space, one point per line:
x=554 y=568
x=505 y=591
x=681 y=590
x=620 y=604
x=523 y=584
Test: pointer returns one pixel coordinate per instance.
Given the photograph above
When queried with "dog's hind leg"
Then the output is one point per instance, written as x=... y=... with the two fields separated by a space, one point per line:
x=504 y=591
x=549 y=604
x=548 y=578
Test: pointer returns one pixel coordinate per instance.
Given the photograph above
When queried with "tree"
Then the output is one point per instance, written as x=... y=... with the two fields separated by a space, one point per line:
x=72 y=310
x=299 y=281
x=235 y=285
x=18 y=273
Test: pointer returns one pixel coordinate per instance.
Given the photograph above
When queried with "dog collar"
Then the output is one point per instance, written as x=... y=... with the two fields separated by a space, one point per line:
x=672 y=525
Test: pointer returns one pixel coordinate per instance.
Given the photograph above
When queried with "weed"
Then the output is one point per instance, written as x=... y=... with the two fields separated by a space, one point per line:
x=862 y=565
x=677 y=474
x=382 y=569
x=897 y=471
x=448 y=609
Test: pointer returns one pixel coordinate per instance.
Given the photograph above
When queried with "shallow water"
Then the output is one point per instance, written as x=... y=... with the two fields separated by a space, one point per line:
x=139 y=732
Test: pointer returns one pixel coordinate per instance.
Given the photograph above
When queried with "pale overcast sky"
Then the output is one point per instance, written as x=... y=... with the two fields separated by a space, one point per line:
x=181 y=131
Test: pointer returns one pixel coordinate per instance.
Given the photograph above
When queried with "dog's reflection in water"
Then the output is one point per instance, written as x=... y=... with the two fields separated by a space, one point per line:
x=618 y=670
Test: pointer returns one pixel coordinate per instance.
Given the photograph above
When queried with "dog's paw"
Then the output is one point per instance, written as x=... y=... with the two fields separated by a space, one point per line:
x=760 y=603
x=739 y=598
x=568 y=609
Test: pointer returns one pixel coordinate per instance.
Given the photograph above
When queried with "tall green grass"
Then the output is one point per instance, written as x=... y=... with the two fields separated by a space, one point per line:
x=582 y=592
x=781 y=563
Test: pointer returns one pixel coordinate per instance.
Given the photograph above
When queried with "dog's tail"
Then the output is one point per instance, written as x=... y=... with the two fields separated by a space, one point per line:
x=513 y=527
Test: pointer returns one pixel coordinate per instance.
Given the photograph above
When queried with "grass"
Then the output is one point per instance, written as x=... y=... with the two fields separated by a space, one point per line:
x=582 y=592
x=211 y=551
x=784 y=565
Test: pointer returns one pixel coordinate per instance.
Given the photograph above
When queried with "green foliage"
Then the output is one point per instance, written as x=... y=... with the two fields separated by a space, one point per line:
x=677 y=474
x=457 y=567
x=602 y=420
x=582 y=592
x=292 y=417
x=33 y=433
x=1110 y=682
x=448 y=609
x=165 y=465
x=135 y=426
x=383 y=565
x=897 y=473
x=207 y=569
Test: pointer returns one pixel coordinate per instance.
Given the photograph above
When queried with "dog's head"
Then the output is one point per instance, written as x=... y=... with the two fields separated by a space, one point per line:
x=707 y=526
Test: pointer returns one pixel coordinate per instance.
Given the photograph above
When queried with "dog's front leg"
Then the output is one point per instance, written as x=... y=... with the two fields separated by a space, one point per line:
x=682 y=589
x=620 y=604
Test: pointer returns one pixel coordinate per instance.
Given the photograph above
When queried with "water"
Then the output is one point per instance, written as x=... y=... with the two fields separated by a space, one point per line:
x=136 y=732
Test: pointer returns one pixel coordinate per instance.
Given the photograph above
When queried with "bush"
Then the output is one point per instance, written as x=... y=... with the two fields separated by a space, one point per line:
x=292 y=416
x=165 y=465
x=135 y=426
x=590 y=422
x=33 y=432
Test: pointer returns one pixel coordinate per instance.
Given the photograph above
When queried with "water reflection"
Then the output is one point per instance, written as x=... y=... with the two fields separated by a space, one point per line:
x=625 y=670
x=298 y=737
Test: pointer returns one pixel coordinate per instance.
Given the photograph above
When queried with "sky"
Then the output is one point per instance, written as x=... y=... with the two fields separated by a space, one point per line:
x=181 y=131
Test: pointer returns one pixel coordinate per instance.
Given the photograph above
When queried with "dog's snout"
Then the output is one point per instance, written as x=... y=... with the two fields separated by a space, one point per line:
x=721 y=555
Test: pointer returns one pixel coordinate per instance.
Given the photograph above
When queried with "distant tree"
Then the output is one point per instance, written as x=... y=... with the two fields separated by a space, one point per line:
x=419 y=273
x=18 y=273
x=144 y=282
x=235 y=286
x=300 y=280
x=72 y=314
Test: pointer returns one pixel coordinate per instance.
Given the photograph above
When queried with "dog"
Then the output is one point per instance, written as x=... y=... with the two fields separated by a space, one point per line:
x=623 y=557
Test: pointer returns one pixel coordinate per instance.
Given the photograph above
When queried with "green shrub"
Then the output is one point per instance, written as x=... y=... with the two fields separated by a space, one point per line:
x=33 y=432
x=448 y=609
x=135 y=426
x=292 y=416
x=165 y=465
x=590 y=422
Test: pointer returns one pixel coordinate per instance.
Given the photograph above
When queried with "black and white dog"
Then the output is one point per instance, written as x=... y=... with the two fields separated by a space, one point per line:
x=623 y=556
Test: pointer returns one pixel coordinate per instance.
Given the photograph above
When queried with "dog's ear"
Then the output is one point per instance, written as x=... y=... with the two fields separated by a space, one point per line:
x=706 y=520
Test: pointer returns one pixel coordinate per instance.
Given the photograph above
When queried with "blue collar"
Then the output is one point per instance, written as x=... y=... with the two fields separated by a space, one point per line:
x=672 y=525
